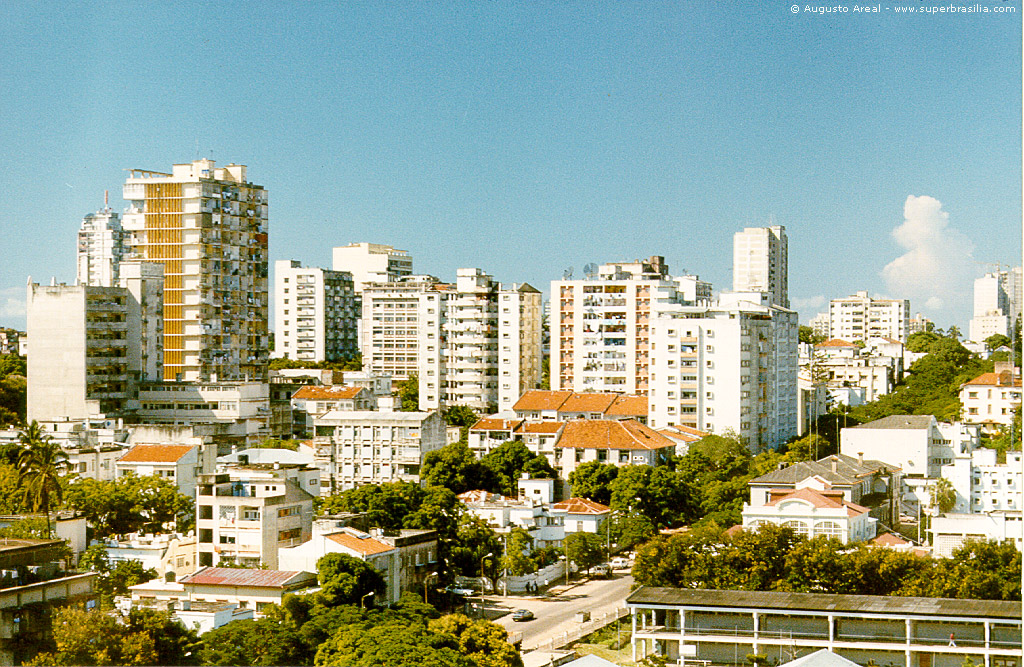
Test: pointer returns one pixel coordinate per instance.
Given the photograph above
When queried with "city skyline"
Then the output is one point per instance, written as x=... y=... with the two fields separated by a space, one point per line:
x=524 y=140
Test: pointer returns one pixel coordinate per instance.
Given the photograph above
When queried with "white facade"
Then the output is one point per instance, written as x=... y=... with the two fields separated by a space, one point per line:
x=760 y=263
x=520 y=324
x=982 y=485
x=859 y=317
x=403 y=335
x=366 y=447
x=177 y=464
x=601 y=326
x=951 y=531
x=997 y=303
x=372 y=263
x=315 y=313
x=991 y=399
x=918 y=444
x=100 y=248
x=241 y=407
x=245 y=513
x=813 y=509
x=727 y=366
x=208 y=227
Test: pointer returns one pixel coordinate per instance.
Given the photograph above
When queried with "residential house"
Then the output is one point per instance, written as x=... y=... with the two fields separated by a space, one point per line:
x=178 y=464
x=991 y=399
x=813 y=509
x=622 y=443
x=580 y=515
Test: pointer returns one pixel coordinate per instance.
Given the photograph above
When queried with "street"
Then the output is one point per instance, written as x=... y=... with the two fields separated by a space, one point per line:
x=555 y=613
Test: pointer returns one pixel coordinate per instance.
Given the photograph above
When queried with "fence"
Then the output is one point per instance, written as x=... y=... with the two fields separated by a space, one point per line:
x=593 y=625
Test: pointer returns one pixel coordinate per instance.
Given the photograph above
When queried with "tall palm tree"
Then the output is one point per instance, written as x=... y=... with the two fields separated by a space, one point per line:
x=41 y=463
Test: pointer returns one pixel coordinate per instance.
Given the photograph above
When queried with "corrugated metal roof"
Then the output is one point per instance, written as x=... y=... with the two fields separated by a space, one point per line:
x=231 y=576
x=871 y=604
x=900 y=422
x=156 y=453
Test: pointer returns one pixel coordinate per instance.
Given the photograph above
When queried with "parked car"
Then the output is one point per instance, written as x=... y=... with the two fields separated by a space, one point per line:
x=602 y=570
x=620 y=563
x=465 y=592
x=522 y=615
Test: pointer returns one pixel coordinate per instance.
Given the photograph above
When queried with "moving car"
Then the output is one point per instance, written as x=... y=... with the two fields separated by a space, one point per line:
x=522 y=615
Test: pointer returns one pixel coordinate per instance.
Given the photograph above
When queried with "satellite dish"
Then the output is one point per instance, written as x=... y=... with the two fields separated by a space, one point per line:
x=567 y=274
x=590 y=269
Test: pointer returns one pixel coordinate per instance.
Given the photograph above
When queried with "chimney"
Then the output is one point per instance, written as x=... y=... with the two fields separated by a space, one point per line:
x=835 y=465
x=860 y=458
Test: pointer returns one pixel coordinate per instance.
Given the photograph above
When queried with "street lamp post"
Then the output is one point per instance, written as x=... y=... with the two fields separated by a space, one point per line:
x=362 y=600
x=426 y=580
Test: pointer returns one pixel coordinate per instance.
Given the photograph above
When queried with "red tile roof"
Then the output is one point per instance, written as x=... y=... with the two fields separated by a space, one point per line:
x=1004 y=379
x=611 y=434
x=366 y=546
x=588 y=403
x=491 y=424
x=581 y=506
x=333 y=392
x=835 y=342
x=231 y=576
x=820 y=499
x=541 y=399
x=628 y=406
x=540 y=427
x=681 y=432
x=889 y=540
x=156 y=453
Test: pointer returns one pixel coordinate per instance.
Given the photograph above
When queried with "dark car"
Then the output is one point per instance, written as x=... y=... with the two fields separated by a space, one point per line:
x=522 y=615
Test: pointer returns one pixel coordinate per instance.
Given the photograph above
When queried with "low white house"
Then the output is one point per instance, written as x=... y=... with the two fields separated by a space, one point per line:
x=580 y=515
x=175 y=463
x=991 y=399
x=951 y=531
x=813 y=509
x=502 y=514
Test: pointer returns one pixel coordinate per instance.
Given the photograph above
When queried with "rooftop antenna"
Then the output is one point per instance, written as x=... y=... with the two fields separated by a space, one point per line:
x=590 y=270
x=106 y=200
x=567 y=274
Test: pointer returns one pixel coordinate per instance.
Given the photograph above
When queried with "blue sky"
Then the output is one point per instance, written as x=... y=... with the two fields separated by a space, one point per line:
x=527 y=137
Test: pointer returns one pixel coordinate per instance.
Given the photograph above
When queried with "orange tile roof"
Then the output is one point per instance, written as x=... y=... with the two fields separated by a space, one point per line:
x=588 y=403
x=156 y=453
x=889 y=540
x=328 y=393
x=835 y=342
x=628 y=406
x=540 y=427
x=821 y=499
x=541 y=399
x=1004 y=379
x=611 y=434
x=492 y=424
x=681 y=432
x=581 y=506
x=366 y=546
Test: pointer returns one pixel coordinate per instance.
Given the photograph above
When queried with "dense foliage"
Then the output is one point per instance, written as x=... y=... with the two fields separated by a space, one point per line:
x=130 y=504
x=775 y=558
x=13 y=389
x=113 y=579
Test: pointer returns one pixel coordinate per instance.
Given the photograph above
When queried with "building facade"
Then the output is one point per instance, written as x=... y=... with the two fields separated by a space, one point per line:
x=859 y=317
x=208 y=227
x=991 y=399
x=760 y=262
x=372 y=263
x=315 y=313
x=100 y=248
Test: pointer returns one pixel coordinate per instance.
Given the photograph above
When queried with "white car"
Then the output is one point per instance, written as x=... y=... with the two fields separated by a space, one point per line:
x=620 y=563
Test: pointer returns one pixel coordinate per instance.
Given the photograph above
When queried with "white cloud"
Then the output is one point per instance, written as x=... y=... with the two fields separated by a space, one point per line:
x=12 y=303
x=808 y=304
x=938 y=267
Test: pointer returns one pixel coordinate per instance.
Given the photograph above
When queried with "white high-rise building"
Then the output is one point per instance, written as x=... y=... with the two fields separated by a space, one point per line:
x=727 y=366
x=600 y=326
x=100 y=248
x=207 y=226
x=997 y=304
x=372 y=263
x=315 y=313
x=493 y=337
x=760 y=262
x=859 y=317
x=402 y=333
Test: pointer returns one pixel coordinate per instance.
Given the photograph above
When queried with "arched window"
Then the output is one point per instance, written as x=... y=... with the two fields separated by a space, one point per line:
x=828 y=529
x=799 y=527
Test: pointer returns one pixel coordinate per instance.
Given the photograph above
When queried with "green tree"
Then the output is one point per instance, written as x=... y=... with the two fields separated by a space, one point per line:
x=483 y=642
x=996 y=341
x=143 y=637
x=129 y=504
x=409 y=394
x=921 y=341
x=808 y=336
x=113 y=580
x=585 y=549
x=41 y=466
x=473 y=541
x=977 y=570
x=593 y=480
x=387 y=504
x=630 y=528
x=460 y=415
x=346 y=580
x=455 y=467
x=516 y=561
x=509 y=459
x=943 y=495
x=818 y=566
x=253 y=642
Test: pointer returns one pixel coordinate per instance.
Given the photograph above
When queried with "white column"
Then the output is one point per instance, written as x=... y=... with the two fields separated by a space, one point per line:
x=633 y=619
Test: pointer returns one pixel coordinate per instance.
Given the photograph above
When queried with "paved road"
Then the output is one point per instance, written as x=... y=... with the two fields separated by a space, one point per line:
x=554 y=614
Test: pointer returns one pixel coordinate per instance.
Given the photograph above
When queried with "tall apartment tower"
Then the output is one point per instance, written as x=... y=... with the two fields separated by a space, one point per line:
x=997 y=304
x=493 y=336
x=372 y=263
x=402 y=333
x=726 y=366
x=859 y=317
x=100 y=248
x=315 y=313
x=208 y=227
x=760 y=262
x=600 y=326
